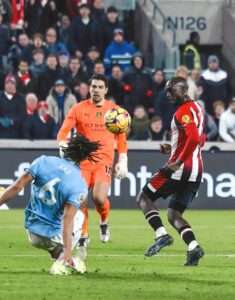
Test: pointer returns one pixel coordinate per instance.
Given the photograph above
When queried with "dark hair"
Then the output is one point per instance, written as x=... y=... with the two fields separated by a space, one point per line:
x=175 y=81
x=115 y=66
x=80 y=148
x=74 y=58
x=38 y=35
x=155 y=119
x=193 y=35
x=99 y=77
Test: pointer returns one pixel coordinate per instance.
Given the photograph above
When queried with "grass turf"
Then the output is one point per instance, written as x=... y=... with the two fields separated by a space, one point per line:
x=118 y=270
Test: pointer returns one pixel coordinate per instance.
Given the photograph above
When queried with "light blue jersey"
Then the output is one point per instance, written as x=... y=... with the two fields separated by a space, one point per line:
x=56 y=182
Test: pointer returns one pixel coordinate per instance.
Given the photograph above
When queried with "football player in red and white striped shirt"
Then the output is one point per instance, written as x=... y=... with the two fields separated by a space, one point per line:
x=179 y=180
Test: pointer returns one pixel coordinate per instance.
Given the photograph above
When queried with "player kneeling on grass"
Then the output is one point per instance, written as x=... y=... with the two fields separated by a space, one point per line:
x=179 y=180
x=53 y=217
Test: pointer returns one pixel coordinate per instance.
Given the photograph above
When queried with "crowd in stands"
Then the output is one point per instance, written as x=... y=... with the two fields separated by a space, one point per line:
x=50 y=49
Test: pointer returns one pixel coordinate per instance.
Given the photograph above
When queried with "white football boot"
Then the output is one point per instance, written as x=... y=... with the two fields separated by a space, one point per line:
x=104 y=232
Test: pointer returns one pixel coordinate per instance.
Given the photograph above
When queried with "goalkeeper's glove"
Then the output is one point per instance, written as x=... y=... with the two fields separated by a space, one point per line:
x=121 y=167
x=63 y=145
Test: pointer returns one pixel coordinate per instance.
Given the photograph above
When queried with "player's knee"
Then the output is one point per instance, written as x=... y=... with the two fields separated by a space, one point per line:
x=98 y=199
x=171 y=216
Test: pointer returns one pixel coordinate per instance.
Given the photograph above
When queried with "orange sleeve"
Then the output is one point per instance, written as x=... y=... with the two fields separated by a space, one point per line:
x=121 y=143
x=69 y=122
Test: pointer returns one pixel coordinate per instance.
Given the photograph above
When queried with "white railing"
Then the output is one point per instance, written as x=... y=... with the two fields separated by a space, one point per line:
x=132 y=145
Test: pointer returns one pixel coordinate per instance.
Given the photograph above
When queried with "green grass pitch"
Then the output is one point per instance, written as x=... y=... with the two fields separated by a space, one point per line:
x=118 y=270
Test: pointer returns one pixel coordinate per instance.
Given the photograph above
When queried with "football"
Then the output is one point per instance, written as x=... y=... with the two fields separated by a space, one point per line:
x=117 y=120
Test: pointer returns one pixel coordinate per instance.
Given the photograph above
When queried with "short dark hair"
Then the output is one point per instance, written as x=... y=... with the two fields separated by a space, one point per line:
x=155 y=119
x=99 y=77
x=177 y=80
x=81 y=148
x=38 y=35
x=112 y=9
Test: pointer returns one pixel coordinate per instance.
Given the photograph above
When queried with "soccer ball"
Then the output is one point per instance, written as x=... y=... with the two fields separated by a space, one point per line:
x=117 y=120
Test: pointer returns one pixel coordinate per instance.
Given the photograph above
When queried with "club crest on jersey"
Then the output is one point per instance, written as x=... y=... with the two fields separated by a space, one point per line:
x=82 y=198
x=186 y=119
x=99 y=114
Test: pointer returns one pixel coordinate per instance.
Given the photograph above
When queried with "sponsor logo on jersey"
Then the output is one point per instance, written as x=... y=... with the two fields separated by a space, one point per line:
x=82 y=198
x=99 y=114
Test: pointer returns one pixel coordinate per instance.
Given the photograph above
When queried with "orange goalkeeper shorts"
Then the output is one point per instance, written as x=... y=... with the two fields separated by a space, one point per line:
x=99 y=173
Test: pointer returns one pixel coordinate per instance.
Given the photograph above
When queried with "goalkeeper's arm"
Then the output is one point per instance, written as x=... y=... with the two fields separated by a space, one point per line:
x=121 y=168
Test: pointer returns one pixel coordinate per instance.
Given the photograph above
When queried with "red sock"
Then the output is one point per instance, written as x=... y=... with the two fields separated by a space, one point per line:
x=103 y=210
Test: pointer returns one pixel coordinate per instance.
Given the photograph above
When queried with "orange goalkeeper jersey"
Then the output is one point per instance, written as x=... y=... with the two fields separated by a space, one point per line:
x=89 y=121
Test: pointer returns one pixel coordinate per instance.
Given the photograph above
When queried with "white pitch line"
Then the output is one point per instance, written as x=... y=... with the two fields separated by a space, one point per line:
x=119 y=255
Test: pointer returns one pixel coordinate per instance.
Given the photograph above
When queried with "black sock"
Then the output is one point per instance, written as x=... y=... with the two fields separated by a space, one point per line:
x=187 y=234
x=154 y=219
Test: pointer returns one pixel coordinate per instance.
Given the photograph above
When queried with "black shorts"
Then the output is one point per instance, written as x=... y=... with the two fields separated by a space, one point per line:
x=179 y=193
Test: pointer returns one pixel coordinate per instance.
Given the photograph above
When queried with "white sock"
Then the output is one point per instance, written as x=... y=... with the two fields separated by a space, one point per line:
x=160 y=232
x=192 y=245
x=103 y=223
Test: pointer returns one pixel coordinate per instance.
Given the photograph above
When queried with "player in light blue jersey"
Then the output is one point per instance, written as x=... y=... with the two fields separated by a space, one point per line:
x=53 y=217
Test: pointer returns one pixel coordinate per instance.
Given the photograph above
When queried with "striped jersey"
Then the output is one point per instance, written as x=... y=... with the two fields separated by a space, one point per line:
x=187 y=138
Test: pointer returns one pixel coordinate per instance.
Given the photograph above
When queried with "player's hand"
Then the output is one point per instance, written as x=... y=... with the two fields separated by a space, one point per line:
x=121 y=170
x=169 y=169
x=175 y=165
x=165 y=148
x=63 y=145
x=68 y=259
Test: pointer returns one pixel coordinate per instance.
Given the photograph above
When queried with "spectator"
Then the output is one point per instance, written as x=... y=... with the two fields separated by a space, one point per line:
x=17 y=18
x=156 y=130
x=52 y=46
x=97 y=11
x=26 y=82
x=49 y=76
x=99 y=68
x=191 y=55
x=40 y=126
x=109 y=23
x=164 y=109
x=195 y=75
x=20 y=50
x=215 y=83
x=75 y=73
x=93 y=55
x=85 y=32
x=12 y=110
x=38 y=65
x=5 y=37
x=39 y=16
x=159 y=82
x=210 y=126
x=81 y=91
x=139 y=123
x=64 y=29
x=60 y=101
x=218 y=108
x=119 y=51
x=138 y=85
x=31 y=103
x=63 y=63
x=116 y=85
x=227 y=123
x=182 y=71
x=38 y=43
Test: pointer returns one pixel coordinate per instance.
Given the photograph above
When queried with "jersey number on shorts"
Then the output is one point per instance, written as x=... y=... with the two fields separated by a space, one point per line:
x=47 y=192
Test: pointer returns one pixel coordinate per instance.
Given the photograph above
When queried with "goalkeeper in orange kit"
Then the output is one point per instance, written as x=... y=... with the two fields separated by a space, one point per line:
x=88 y=119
